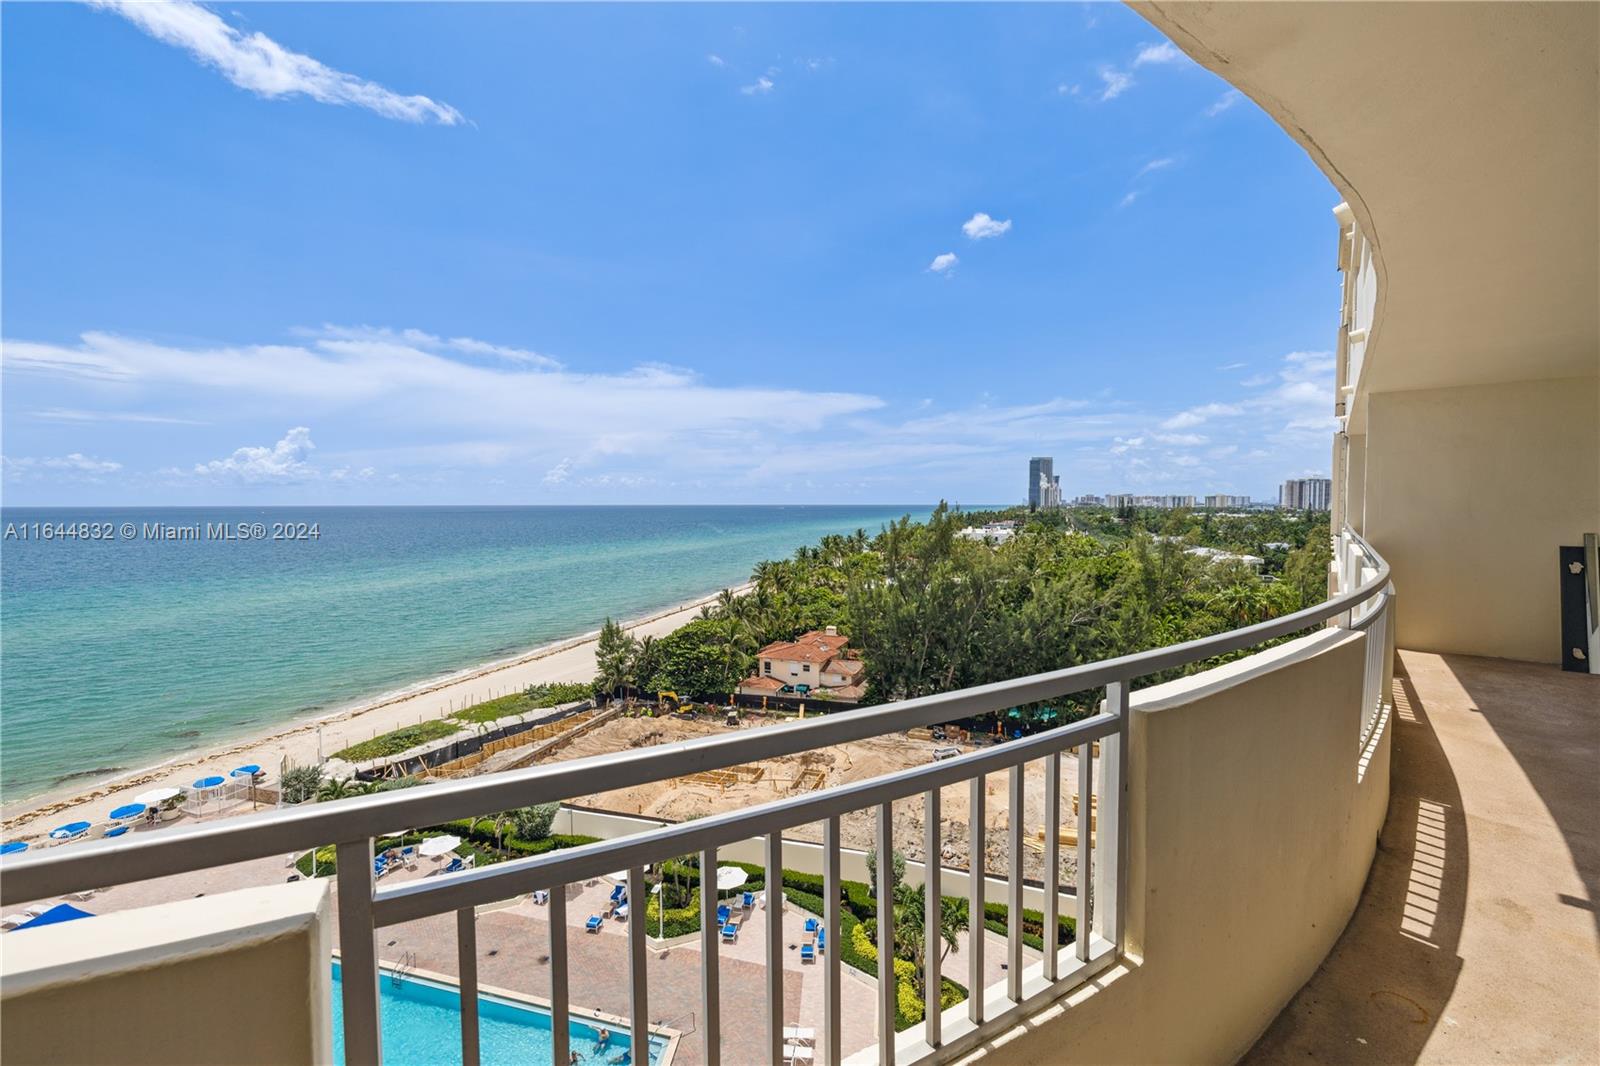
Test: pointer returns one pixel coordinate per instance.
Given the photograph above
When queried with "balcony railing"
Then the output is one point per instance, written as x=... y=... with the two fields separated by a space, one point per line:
x=1361 y=601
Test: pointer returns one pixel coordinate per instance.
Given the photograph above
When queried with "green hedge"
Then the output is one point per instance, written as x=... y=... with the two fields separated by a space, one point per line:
x=477 y=840
x=996 y=917
x=393 y=743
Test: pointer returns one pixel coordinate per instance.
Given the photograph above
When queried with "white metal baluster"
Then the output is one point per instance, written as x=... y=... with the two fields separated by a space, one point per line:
x=832 y=998
x=639 y=1000
x=932 y=942
x=560 y=1034
x=775 y=947
x=975 y=872
x=710 y=937
x=1014 y=889
x=887 y=998
x=1112 y=839
x=1086 y=819
x=1052 y=864
x=467 y=961
x=358 y=954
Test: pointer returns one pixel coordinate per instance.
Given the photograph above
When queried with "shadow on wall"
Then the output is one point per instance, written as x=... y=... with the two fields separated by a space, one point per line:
x=1380 y=993
x=1549 y=720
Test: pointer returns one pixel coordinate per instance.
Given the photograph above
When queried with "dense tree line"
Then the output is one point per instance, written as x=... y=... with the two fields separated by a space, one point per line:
x=929 y=610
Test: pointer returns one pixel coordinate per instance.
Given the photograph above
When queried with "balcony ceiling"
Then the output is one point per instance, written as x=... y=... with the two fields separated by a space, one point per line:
x=1466 y=138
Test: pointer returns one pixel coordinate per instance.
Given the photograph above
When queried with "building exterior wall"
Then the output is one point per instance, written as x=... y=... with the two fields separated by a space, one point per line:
x=1254 y=821
x=1469 y=492
x=236 y=977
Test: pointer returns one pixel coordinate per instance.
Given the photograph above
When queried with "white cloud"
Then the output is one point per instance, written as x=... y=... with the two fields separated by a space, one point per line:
x=283 y=461
x=560 y=472
x=1224 y=102
x=1194 y=416
x=761 y=85
x=981 y=226
x=1069 y=90
x=1128 y=199
x=1233 y=366
x=1186 y=440
x=1154 y=165
x=73 y=414
x=260 y=65
x=716 y=60
x=1165 y=52
x=1122 y=445
x=944 y=263
x=1115 y=83
x=73 y=463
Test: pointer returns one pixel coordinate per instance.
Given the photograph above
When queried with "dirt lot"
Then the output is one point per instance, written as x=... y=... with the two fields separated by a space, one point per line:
x=687 y=798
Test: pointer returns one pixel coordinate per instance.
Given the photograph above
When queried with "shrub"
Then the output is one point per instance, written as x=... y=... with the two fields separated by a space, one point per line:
x=996 y=917
x=300 y=783
x=533 y=823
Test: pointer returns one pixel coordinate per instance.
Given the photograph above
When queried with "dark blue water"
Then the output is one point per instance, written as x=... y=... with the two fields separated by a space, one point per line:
x=118 y=653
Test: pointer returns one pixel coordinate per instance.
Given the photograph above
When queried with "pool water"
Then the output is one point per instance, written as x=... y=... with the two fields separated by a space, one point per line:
x=421 y=1022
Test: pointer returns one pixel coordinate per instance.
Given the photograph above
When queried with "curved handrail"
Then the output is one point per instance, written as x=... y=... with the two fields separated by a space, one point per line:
x=200 y=847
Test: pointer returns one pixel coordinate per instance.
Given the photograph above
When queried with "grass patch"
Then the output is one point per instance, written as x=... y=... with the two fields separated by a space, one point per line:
x=533 y=698
x=393 y=743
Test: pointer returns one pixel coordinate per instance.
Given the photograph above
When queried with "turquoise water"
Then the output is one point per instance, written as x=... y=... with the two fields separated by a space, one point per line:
x=421 y=1026
x=116 y=654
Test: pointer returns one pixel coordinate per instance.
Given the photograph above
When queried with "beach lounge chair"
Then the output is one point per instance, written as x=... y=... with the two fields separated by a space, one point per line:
x=594 y=924
x=811 y=925
x=116 y=831
x=822 y=939
x=722 y=914
x=380 y=866
x=622 y=913
x=808 y=953
x=749 y=900
x=803 y=1035
x=617 y=893
x=11 y=921
x=541 y=897
x=730 y=932
x=456 y=865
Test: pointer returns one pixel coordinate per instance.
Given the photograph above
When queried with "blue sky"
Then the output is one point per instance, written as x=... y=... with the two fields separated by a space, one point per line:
x=368 y=253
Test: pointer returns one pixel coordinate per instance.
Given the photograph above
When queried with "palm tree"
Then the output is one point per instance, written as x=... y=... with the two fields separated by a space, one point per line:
x=336 y=788
x=910 y=917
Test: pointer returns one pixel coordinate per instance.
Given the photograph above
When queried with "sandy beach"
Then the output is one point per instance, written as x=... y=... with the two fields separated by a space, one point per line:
x=569 y=660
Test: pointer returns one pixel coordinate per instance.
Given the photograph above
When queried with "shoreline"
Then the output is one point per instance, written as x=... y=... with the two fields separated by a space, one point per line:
x=290 y=738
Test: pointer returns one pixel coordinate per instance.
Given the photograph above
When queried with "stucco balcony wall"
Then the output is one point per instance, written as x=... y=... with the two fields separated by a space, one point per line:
x=1255 y=816
x=239 y=977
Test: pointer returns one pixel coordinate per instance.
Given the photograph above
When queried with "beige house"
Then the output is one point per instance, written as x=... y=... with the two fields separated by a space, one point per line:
x=818 y=660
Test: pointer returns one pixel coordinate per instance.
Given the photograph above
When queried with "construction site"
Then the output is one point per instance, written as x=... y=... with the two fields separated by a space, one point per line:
x=601 y=733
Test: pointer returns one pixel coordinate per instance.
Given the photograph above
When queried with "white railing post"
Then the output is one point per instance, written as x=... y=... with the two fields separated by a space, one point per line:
x=1111 y=865
x=1014 y=886
x=932 y=920
x=1052 y=865
x=1084 y=926
x=832 y=993
x=560 y=1026
x=887 y=998
x=774 y=946
x=467 y=960
x=710 y=937
x=638 y=979
x=358 y=954
x=975 y=872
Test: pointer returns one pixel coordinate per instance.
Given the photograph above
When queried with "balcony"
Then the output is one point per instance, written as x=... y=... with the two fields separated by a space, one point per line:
x=1328 y=849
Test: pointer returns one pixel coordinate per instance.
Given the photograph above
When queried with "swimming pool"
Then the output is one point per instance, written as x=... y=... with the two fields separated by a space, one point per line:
x=421 y=1021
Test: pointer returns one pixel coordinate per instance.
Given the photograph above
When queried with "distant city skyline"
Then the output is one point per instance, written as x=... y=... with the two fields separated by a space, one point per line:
x=559 y=254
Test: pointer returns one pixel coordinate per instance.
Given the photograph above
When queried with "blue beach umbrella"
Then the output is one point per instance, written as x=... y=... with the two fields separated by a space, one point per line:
x=61 y=912
x=208 y=782
x=248 y=770
x=128 y=810
x=68 y=831
x=11 y=847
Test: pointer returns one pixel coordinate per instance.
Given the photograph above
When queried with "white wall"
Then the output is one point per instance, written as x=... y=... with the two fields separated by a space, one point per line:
x=1469 y=493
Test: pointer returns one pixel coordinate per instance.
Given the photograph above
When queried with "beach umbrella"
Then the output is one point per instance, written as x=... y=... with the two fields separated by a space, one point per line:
x=61 y=912
x=68 y=831
x=127 y=810
x=730 y=877
x=157 y=795
x=434 y=847
x=11 y=847
x=212 y=781
x=247 y=770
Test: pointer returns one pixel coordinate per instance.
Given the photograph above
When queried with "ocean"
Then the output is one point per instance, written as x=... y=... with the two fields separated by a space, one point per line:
x=118 y=653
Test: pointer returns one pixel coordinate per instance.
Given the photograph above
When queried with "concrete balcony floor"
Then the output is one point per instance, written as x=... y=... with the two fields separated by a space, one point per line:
x=1477 y=938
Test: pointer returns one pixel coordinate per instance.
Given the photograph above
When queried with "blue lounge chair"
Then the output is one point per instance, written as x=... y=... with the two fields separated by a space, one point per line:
x=594 y=923
x=617 y=893
x=749 y=900
x=808 y=953
x=455 y=865
x=729 y=932
x=822 y=939
x=811 y=925
x=723 y=913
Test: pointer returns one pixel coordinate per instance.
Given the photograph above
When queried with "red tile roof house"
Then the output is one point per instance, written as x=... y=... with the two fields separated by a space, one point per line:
x=818 y=659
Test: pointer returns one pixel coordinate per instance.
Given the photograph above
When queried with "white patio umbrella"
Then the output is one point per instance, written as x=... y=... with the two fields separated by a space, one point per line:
x=730 y=877
x=436 y=847
x=156 y=795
